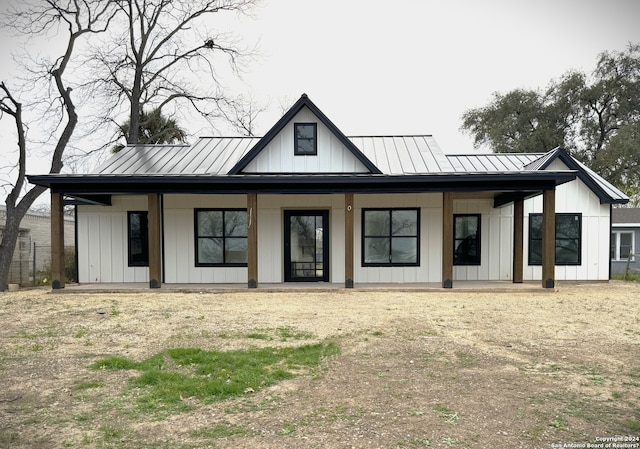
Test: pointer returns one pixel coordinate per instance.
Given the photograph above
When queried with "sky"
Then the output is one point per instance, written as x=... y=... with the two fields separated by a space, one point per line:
x=415 y=66
x=412 y=66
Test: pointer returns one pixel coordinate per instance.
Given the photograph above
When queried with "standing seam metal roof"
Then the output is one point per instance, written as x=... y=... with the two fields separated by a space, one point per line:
x=392 y=155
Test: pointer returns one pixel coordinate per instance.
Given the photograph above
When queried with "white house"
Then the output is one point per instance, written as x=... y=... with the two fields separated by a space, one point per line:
x=306 y=203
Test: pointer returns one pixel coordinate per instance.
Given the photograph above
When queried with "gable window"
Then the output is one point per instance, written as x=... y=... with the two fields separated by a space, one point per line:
x=390 y=237
x=306 y=139
x=221 y=237
x=466 y=239
x=138 y=238
x=622 y=244
x=568 y=239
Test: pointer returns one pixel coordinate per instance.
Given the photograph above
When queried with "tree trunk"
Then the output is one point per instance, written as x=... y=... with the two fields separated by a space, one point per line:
x=7 y=247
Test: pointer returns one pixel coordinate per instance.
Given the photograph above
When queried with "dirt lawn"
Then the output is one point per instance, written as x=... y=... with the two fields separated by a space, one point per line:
x=451 y=369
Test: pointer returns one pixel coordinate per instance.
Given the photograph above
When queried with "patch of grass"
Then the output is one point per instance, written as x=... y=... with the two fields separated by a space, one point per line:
x=259 y=336
x=595 y=377
x=8 y=437
x=219 y=431
x=630 y=277
x=86 y=385
x=288 y=429
x=466 y=359
x=285 y=333
x=559 y=422
x=633 y=425
x=449 y=415
x=81 y=333
x=168 y=378
x=110 y=432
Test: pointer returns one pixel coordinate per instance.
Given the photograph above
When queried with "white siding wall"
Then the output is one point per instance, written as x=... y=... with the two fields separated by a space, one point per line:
x=102 y=238
x=575 y=197
x=102 y=242
x=179 y=240
x=496 y=237
x=332 y=157
x=430 y=270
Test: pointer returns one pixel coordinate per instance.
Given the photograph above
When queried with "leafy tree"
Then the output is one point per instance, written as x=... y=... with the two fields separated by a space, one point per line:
x=595 y=116
x=39 y=19
x=155 y=128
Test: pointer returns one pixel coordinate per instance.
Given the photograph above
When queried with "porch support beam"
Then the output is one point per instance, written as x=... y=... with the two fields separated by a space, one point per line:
x=155 y=252
x=518 y=241
x=252 y=240
x=57 y=241
x=447 y=240
x=548 y=238
x=348 y=240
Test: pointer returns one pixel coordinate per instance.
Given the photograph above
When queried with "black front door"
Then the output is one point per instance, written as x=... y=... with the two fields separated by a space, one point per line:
x=306 y=245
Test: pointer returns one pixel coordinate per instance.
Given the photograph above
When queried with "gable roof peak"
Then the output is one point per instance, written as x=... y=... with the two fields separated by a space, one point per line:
x=303 y=101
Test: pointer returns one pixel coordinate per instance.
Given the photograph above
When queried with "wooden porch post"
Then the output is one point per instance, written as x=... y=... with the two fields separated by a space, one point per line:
x=57 y=241
x=518 y=241
x=348 y=240
x=447 y=240
x=155 y=253
x=548 y=238
x=252 y=239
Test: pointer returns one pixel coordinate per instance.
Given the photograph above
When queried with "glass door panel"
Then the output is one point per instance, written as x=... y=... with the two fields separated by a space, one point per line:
x=306 y=246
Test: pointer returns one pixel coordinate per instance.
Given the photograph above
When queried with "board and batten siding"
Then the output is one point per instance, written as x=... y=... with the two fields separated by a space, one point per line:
x=102 y=242
x=332 y=157
x=429 y=270
x=496 y=241
x=575 y=197
x=179 y=240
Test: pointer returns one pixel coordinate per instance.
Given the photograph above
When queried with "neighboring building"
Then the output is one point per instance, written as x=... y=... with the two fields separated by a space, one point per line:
x=34 y=242
x=306 y=203
x=625 y=233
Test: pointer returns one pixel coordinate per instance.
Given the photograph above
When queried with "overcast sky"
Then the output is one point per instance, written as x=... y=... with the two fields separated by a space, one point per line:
x=414 y=66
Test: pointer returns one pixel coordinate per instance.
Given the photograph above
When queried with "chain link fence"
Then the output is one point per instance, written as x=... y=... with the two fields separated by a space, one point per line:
x=31 y=264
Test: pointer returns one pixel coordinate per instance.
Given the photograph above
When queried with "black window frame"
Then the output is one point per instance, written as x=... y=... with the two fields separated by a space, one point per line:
x=143 y=238
x=477 y=260
x=297 y=139
x=390 y=236
x=224 y=238
x=555 y=258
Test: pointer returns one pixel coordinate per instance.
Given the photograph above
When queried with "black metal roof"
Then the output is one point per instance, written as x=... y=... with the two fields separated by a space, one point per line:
x=393 y=163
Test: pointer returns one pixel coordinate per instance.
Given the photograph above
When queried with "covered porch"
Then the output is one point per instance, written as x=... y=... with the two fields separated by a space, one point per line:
x=504 y=189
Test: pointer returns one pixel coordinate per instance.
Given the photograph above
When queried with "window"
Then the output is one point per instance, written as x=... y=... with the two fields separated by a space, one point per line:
x=466 y=239
x=138 y=234
x=221 y=237
x=390 y=237
x=622 y=243
x=568 y=239
x=306 y=139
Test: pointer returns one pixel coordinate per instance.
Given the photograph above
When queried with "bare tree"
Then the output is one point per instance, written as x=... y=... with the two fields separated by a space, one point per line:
x=165 y=54
x=79 y=17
